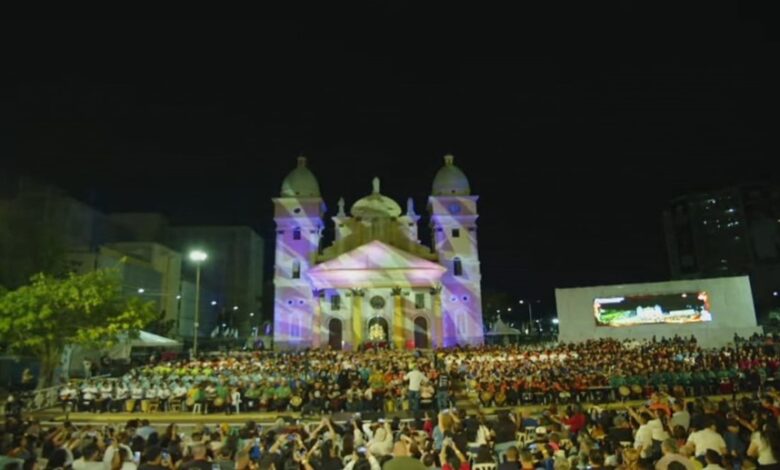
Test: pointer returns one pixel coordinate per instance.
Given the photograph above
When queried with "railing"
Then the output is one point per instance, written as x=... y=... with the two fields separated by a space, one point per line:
x=42 y=398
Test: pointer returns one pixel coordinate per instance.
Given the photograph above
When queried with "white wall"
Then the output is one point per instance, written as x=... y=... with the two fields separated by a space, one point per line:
x=730 y=300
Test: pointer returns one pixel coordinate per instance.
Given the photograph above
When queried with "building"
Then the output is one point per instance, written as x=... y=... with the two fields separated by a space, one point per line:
x=734 y=231
x=233 y=271
x=39 y=220
x=376 y=282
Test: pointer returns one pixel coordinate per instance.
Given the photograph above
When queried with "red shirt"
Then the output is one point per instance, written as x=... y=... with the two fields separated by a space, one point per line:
x=463 y=466
x=575 y=423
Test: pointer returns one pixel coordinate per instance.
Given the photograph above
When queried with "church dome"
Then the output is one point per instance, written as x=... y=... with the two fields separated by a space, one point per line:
x=450 y=180
x=375 y=205
x=300 y=182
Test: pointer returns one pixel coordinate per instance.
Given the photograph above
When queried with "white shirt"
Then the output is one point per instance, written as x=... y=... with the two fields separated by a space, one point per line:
x=415 y=378
x=81 y=464
x=765 y=456
x=121 y=392
x=105 y=391
x=681 y=418
x=707 y=439
x=644 y=438
x=108 y=456
x=89 y=392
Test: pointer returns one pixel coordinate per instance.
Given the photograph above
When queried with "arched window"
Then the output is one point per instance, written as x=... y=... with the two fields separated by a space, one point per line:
x=296 y=270
x=297 y=234
x=457 y=267
x=295 y=326
x=461 y=324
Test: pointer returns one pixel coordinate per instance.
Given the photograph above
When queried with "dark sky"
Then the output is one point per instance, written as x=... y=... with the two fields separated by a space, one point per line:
x=573 y=133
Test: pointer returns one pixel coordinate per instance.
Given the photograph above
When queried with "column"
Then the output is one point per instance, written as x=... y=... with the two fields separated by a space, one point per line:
x=399 y=328
x=438 y=334
x=357 y=318
x=316 y=329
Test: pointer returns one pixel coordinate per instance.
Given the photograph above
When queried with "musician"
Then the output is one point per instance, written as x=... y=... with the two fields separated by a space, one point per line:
x=282 y=395
x=253 y=397
x=443 y=390
x=69 y=396
x=427 y=392
x=222 y=398
x=120 y=396
x=235 y=400
x=136 y=394
x=377 y=382
x=353 y=398
x=368 y=398
x=164 y=396
x=210 y=392
x=150 y=397
x=314 y=400
x=89 y=392
x=105 y=392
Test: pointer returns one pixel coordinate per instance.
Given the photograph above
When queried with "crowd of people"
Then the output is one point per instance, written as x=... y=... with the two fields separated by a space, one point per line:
x=321 y=382
x=664 y=433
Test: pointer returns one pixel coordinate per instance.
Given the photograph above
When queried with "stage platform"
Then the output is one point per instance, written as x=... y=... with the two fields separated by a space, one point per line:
x=188 y=419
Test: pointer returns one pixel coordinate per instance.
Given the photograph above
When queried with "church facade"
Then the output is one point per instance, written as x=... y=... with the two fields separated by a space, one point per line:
x=376 y=282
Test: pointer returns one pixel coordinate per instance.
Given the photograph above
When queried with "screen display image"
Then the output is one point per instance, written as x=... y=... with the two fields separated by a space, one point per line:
x=683 y=307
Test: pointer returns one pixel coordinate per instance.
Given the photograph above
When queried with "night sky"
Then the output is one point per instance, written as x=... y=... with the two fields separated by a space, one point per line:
x=574 y=137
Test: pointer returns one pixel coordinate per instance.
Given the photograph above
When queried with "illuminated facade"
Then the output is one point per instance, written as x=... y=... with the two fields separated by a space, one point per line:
x=376 y=282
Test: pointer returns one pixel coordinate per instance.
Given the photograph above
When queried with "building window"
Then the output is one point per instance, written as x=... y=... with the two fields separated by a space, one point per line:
x=419 y=300
x=457 y=267
x=297 y=234
x=456 y=233
x=335 y=302
x=295 y=326
x=296 y=270
x=461 y=324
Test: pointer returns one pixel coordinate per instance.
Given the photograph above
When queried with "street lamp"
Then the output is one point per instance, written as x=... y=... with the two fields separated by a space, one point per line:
x=197 y=257
x=530 y=313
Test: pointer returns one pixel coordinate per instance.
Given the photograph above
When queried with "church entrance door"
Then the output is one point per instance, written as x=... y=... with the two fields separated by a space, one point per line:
x=421 y=333
x=334 y=334
x=377 y=330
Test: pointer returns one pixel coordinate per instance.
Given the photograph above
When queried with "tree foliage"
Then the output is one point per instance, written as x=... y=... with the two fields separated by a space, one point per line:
x=50 y=313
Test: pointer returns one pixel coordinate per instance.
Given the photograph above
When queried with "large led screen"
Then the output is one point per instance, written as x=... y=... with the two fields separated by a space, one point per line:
x=683 y=307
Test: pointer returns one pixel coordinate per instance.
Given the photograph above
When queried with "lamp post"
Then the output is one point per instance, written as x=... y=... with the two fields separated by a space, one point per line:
x=530 y=314
x=197 y=256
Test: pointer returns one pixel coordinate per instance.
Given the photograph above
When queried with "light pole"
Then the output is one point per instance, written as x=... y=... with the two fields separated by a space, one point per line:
x=530 y=314
x=197 y=256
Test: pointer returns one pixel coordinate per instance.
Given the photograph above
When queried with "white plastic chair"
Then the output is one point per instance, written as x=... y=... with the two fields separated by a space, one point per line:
x=484 y=466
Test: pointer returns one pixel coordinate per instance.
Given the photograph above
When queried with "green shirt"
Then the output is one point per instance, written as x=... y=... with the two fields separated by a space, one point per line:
x=283 y=391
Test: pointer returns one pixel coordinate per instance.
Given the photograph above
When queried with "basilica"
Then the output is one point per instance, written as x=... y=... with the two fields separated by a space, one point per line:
x=376 y=282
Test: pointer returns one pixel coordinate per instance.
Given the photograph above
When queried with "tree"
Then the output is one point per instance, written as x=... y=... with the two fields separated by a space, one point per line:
x=50 y=314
